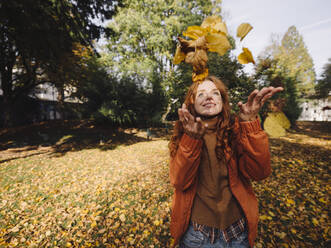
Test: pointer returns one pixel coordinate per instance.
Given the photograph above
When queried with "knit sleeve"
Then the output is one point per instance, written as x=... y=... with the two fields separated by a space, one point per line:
x=184 y=165
x=254 y=154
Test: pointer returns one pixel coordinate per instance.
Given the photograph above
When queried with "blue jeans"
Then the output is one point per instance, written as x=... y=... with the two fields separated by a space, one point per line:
x=195 y=239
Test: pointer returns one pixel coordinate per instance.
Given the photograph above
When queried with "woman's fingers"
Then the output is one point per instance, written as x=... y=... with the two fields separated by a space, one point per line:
x=252 y=96
x=181 y=115
x=187 y=115
x=200 y=126
x=259 y=96
x=241 y=106
x=265 y=98
x=269 y=93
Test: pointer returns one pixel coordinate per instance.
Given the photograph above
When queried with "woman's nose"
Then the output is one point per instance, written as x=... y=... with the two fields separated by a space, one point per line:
x=209 y=95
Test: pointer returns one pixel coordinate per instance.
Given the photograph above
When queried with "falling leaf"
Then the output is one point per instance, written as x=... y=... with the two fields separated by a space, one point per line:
x=179 y=55
x=199 y=77
x=211 y=21
x=218 y=43
x=246 y=56
x=194 y=32
x=221 y=28
x=243 y=30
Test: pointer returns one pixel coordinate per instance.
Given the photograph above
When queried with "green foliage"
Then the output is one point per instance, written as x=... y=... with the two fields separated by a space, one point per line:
x=323 y=87
x=31 y=53
x=287 y=100
x=293 y=60
x=291 y=109
x=145 y=41
x=116 y=102
x=287 y=63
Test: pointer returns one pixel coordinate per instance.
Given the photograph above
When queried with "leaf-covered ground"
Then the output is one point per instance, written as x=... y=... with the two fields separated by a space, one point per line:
x=80 y=186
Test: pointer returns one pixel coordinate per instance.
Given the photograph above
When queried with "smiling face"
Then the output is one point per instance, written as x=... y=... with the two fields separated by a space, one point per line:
x=208 y=100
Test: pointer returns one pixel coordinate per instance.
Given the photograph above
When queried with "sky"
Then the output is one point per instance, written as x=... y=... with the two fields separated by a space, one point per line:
x=312 y=18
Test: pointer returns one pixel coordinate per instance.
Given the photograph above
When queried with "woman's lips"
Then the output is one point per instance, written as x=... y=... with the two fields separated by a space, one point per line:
x=208 y=105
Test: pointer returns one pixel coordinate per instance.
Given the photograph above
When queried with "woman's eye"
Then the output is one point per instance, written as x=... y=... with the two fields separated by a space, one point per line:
x=216 y=93
x=200 y=95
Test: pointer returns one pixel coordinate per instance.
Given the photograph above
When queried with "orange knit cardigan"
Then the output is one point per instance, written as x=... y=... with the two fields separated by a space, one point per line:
x=252 y=162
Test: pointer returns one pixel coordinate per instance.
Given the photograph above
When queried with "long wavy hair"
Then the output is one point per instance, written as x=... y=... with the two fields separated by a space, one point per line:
x=224 y=126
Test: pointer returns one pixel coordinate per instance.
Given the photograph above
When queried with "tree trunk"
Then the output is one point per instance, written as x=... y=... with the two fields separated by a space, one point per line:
x=60 y=101
x=6 y=86
x=7 y=112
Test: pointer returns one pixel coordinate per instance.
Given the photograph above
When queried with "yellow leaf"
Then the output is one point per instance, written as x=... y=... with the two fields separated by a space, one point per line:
x=275 y=125
x=315 y=221
x=220 y=28
x=243 y=30
x=290 y=201
x=211 y=21
x=179 y=56
x=15 y=229
x=94 y=224
x=281 y=235
x=199 y=77
x=218 y=43
x=156 y=223
x=293 y=231
x=263 y=217
x=290 y=213
x=322 y=200
x=271 y=213
x=68 y=244
x=122 y=217
x=194 y=32
x=246 y=57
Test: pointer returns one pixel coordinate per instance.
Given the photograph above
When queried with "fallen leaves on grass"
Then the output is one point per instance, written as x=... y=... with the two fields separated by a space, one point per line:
x=122 y=197
x=117 y=198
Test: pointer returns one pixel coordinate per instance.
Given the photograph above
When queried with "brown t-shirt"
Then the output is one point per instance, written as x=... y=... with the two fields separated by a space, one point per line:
x=214 y=204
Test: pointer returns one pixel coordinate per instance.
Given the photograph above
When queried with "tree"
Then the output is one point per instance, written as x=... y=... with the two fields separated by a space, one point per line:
x=287 y=100
x=107 y=99
x=145 y=40
x=28 y=52
x=323 y=87
x=293 y=60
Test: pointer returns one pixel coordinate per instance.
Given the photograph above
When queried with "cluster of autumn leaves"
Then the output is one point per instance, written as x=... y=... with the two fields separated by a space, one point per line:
x=210 y=36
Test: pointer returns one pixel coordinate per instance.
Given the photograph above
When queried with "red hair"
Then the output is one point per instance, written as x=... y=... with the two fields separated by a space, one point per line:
x=224 y=133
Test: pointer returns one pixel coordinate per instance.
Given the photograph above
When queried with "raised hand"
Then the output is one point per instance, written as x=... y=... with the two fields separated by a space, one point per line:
x=256 y=99
x=192 y=126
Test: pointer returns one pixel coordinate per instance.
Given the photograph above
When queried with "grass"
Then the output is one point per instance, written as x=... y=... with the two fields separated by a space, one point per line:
x=87 y=186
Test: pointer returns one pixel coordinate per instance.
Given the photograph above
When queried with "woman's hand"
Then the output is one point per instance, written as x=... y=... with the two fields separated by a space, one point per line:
x=256 y=99
x=192 y=126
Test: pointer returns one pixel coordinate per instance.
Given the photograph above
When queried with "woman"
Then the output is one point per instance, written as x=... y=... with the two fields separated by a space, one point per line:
x=213 y=158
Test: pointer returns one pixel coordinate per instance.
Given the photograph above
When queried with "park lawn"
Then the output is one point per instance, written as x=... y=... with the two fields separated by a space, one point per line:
x=116 y=192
